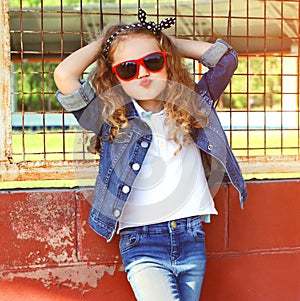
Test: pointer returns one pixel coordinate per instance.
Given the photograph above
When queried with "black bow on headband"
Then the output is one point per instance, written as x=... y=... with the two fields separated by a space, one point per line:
x=151 y=26
x=155 y=28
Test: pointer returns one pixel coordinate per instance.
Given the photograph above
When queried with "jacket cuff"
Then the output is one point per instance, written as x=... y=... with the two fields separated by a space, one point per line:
x=213 y=55
x=78 y=99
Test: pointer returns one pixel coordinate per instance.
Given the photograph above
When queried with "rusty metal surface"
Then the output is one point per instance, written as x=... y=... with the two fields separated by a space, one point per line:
x=52 y=170
x=87 y=169
x=5 y=104
x=283 y=165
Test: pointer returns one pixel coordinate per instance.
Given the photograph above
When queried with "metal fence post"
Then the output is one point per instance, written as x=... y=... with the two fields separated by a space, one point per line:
x=5 y=103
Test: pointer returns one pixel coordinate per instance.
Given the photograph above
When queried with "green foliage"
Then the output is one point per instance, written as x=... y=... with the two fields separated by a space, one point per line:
x=55 y=3
x=256 y=83
x=34 y=87
x=70 y=3
x=252 y=86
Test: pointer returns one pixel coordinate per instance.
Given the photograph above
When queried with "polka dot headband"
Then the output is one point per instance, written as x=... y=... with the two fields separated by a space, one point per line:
x=151 y=26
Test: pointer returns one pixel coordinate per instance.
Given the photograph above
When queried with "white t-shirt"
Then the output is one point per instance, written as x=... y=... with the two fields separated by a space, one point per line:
x=168 y=186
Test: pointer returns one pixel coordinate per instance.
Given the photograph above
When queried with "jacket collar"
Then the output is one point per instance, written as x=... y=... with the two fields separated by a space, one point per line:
x=131 y=111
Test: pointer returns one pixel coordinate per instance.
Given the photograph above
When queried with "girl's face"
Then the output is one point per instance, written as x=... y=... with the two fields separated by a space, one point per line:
x=145 y=85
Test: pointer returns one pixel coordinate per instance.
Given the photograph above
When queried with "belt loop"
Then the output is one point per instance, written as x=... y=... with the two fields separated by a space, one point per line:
x=145 y=231
x=189 y=225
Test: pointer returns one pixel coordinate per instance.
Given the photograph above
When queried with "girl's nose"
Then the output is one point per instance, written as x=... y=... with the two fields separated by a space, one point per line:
x=143 y=72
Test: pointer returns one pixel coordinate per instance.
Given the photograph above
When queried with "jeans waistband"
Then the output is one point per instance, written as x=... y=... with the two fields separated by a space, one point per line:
x=182 y=224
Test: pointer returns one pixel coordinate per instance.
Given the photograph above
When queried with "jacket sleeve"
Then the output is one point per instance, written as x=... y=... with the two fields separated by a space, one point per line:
x=85 y=106
x=221 y=60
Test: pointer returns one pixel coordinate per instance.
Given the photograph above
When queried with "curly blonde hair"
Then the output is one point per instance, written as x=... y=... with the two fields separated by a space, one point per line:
x=181 y=102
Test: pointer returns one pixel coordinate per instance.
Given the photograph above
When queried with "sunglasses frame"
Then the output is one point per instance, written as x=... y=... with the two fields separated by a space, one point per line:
x=138 y=63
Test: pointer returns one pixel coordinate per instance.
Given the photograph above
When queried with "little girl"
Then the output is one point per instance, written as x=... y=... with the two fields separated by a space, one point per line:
x=161 y=146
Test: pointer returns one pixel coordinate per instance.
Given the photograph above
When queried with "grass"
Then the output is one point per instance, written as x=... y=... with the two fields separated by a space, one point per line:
x=262 y=143
x=51 y=146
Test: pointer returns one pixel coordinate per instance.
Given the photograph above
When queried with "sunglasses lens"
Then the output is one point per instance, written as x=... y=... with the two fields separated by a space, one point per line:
x=126 y=70
x=154 y=62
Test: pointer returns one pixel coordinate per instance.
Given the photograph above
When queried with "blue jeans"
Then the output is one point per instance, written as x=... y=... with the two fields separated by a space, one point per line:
x=165 y=261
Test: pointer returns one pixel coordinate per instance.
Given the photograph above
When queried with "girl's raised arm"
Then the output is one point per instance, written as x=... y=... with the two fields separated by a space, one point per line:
x=69 y=71
x=190 y=48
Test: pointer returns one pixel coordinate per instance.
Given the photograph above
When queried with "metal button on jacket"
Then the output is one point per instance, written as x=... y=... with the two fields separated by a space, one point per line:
x=144 y=144
x=136 y=166
x=117 y=213
x=125 y=189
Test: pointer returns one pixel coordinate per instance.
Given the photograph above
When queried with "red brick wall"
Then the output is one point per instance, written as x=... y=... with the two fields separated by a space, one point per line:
x=48 y=251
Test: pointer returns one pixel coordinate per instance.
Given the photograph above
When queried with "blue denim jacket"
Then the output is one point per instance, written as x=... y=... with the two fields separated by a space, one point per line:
x=121 y=160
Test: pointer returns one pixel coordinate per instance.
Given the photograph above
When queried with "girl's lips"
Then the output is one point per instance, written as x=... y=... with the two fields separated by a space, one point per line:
x=145 y=82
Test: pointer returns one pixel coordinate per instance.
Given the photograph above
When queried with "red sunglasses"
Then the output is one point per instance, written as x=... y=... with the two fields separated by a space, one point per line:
x=128 y=70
